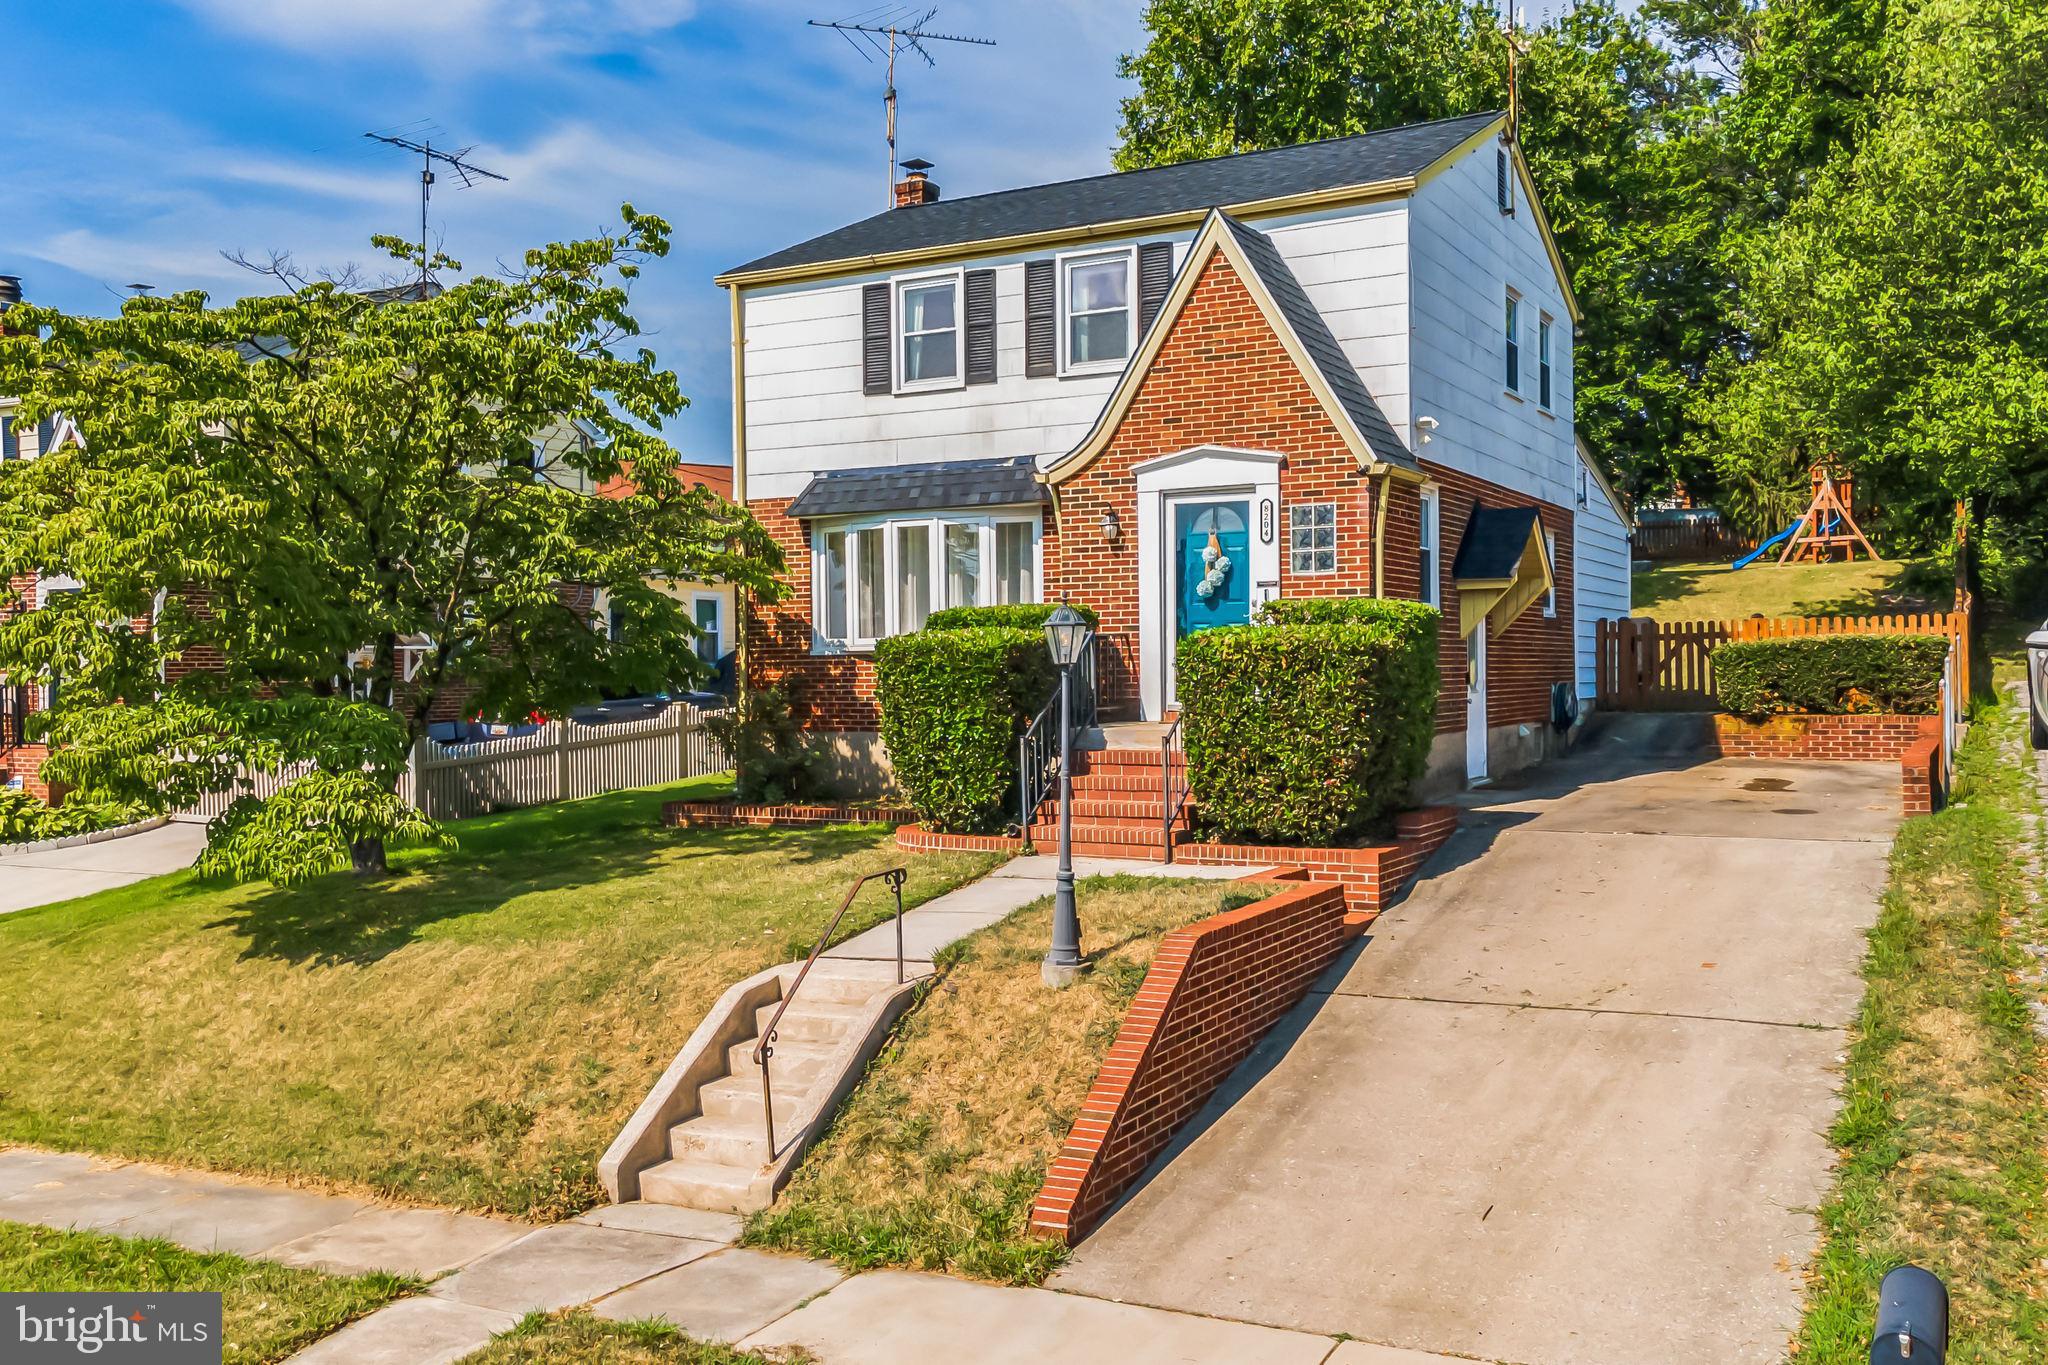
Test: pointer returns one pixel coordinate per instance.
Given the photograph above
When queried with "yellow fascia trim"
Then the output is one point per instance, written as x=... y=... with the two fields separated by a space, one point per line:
x=1214 y=237
x=1338 y=197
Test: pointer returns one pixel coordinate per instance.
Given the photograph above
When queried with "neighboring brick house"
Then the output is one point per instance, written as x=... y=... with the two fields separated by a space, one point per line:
x=1346 y=366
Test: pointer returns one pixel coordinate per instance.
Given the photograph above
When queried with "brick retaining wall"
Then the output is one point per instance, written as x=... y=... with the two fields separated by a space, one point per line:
x=1213 y=991
x=728 y=814
x=1913 y=742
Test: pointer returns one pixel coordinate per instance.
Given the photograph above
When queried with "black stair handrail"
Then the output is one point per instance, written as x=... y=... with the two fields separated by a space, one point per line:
x=1173 y=794
x=765 y=1049
x=1038 y=749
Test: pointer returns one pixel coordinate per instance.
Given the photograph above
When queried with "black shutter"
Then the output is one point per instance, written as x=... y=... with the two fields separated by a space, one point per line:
x=1041 y=321
x=1503 y=186
x=1155 y=277
x=981 y=326
x=874 y=339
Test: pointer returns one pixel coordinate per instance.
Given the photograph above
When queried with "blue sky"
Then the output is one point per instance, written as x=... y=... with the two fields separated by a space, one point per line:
x=143 y=139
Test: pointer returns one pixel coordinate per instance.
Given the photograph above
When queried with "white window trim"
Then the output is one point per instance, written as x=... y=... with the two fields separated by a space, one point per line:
x=985 y=520
x=1063 y=263
x=1511 y=335
x=898 y=353
x=1432 y=566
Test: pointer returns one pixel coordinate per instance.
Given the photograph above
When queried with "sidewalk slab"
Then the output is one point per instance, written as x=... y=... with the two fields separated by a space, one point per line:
x=887 y=1317
x=725 y=1296
x=567 y=1264
x=423 y=1331
x=1365 y=1353
x=418 y=1242
x=670 y=1220
x=244 y=1219
x=96 y=1199
x=24 y=1168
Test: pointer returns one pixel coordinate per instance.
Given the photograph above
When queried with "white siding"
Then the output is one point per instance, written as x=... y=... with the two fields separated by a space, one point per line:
x=806 y=411
x=1602 y=574
x=1466 y=257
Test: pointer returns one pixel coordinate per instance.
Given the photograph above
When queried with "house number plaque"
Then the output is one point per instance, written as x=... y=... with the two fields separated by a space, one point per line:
x=1265 y=521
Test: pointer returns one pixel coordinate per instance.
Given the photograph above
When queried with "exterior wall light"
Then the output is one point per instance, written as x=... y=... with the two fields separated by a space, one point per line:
x=1112 y=529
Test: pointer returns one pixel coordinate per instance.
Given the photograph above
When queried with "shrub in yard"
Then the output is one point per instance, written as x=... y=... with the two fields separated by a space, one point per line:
x=1307 y=733
x=953 y=703
x=773 y=759
x=25 y=818
x=1013 y=616
x=1832 y=675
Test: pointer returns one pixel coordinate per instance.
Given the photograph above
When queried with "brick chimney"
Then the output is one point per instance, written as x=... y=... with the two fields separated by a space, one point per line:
x=916 y=187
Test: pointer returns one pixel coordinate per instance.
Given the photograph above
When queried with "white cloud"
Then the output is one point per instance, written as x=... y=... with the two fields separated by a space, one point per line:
x=464 y=31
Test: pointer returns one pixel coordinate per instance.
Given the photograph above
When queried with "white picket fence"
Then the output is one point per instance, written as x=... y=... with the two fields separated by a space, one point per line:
x=561 y=761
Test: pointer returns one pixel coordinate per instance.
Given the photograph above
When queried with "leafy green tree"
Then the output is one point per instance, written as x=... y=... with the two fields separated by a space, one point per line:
x=331 y=504
x=1614 y=128
x=1900 y=309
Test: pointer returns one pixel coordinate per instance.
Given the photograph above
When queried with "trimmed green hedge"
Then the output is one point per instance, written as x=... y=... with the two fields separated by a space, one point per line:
x=953 y=703
x=1832 y=675
x=1308 y=733
x=1017 y=616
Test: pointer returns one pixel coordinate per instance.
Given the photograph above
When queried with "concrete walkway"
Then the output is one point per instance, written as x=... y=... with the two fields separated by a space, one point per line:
x=31 y=879
x=1565 y=1104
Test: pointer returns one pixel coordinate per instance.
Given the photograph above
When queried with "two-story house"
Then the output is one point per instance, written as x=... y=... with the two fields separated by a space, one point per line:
x=1340 y=368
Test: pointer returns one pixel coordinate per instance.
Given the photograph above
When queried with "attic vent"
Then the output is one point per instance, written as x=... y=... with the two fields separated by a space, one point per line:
x=1503 y=181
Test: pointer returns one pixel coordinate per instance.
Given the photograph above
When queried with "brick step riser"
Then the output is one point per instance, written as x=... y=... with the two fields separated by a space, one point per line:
x=1147 y=783
x=1121 y=760
x=1141 y=835
x=1111 y=811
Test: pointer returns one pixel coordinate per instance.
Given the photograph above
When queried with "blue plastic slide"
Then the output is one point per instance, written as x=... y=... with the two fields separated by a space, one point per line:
x=1757 y=553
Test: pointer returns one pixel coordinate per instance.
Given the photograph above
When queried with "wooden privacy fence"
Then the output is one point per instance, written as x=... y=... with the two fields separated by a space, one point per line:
x=1667 y=665
x=1700 y=538
x=560 y=761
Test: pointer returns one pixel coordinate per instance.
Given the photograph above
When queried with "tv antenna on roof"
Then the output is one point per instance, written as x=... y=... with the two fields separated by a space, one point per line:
x=428 y=156
x=904 y=29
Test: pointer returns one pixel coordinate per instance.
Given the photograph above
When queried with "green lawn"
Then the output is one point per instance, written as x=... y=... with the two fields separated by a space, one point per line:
x=938 y=1154
x=1693 y=592
x=268 y=1311
x=471 y=1032
x=578 y=1338
x=1945 y=1117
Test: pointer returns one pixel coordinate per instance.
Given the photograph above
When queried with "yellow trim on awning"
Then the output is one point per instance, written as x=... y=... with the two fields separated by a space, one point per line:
x=1499 y=601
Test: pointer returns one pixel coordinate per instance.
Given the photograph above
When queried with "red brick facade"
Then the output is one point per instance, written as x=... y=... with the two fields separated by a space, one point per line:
x=1221 y=377
x=1213 y=991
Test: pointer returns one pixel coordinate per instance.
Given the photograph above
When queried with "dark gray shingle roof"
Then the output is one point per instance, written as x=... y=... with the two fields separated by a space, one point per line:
x=1308 y=324
x=1188 y=187
x=1494 y=540
x=921 y=487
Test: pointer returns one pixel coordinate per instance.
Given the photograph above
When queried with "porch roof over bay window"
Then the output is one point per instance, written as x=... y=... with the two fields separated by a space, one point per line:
x=959 y=485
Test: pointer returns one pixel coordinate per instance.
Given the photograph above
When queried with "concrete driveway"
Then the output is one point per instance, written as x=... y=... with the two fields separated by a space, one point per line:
x=31 y=879
x=1566 y=1103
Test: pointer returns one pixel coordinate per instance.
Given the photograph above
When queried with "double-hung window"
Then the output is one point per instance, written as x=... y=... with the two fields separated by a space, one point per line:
x=1543 y=330
x=1513 y=332
x=1096 y=295
x=1550 y=550
x=1432 y=590
x=884 y=576
x=928 y=332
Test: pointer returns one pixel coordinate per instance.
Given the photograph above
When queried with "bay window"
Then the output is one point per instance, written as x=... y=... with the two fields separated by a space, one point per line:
x=883 y=576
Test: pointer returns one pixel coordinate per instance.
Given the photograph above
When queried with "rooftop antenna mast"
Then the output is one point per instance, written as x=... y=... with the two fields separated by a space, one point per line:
x=428 y=156
x=903 y=30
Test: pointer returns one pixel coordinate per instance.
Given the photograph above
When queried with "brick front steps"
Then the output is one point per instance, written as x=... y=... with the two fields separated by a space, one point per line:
x=1914 y=742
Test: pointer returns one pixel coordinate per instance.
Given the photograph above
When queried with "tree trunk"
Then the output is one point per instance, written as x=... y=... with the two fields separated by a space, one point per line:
x=366 y=857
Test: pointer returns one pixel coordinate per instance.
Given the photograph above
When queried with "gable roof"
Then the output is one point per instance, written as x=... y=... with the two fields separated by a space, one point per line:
x=1390 y=157
x=1294 y=320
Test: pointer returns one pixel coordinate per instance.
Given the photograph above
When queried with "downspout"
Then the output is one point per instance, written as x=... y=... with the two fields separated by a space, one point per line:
x=1379 y=535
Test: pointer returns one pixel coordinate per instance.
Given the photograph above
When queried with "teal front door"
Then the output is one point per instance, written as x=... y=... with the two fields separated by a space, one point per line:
x=1211 y=568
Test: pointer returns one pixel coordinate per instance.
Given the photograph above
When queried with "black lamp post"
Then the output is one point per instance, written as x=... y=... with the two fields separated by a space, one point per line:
x=1066 y=635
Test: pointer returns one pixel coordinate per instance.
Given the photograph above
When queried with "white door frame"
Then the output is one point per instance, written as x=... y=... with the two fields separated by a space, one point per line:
x=1475 y=704
x=1200 y=472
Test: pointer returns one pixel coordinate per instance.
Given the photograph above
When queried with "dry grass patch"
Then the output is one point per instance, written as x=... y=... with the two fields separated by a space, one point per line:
x=1718 y=591
x=472 y=1031
x=578 y=1338
x=268 y=1311
x=936 y=1158
x=1945 y=1116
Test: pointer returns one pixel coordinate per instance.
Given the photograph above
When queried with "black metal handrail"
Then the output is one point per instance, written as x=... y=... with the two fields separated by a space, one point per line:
x=1173 y=787
x=1038 y=750
x=765 y=1049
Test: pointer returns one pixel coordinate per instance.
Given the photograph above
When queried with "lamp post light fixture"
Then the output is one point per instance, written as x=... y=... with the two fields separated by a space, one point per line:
x=1066 y=634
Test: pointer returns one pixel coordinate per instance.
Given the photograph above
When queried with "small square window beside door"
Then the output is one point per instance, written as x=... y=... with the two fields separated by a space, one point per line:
x=1312 y=537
